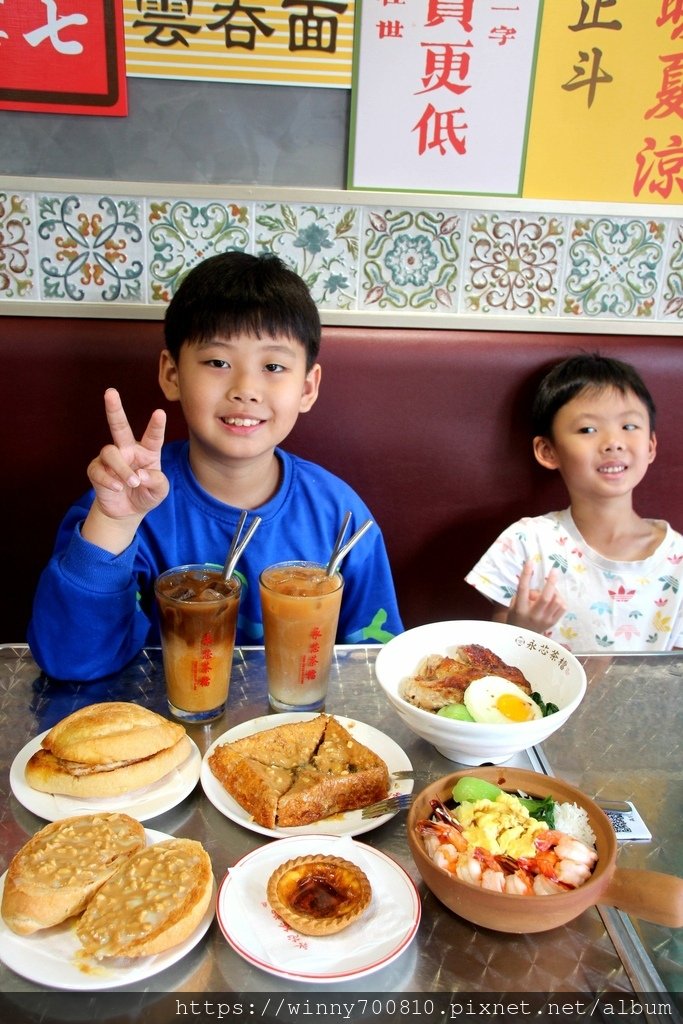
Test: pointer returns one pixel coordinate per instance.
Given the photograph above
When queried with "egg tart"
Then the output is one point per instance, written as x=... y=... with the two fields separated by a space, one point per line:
x=318 y=894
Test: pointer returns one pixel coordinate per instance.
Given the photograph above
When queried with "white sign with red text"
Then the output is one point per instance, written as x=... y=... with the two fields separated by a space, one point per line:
x=441 y=95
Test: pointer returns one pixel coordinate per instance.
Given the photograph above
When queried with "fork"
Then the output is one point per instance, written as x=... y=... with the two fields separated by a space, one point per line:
x=391 y=804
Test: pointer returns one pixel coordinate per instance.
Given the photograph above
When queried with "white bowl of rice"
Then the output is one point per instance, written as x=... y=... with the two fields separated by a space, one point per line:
x=549 y=669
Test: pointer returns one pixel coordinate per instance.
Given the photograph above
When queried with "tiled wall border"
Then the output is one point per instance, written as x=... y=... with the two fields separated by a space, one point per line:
x=118 y=249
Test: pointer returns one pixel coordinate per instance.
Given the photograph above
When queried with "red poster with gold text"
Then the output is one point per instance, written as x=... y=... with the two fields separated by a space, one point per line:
x=63 y=56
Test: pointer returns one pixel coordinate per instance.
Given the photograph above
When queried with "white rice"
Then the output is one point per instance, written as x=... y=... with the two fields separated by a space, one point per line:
x=573 y=820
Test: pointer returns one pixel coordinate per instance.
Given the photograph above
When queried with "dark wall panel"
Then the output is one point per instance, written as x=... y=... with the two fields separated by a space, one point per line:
x=214 y=133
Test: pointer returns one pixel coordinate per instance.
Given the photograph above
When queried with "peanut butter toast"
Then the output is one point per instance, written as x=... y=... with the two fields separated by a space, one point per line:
x=155 y=901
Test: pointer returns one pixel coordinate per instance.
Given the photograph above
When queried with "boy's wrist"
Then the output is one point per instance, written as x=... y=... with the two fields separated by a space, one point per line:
x=113 y=535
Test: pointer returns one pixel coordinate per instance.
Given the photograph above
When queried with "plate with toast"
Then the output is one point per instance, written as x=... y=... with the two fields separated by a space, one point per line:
x=143 y=802
x=81 y=934
x=301 y=773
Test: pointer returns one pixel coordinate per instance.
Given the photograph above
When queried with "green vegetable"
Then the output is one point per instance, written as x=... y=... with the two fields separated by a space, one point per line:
x=468 y=789
x=541 y=810
x=456 y=711
x=546 y=709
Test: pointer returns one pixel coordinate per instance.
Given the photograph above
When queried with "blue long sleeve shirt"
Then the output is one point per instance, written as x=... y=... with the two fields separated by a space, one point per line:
x=94 y=611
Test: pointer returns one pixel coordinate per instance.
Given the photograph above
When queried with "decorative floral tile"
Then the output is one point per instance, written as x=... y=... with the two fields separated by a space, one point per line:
x=671 y=305
x=613 y=267
x=16 y=246
x=90 y=248
x=320 y=242
x=410 y=259
x=112 y=250
x=512 y=263
x=183 y=232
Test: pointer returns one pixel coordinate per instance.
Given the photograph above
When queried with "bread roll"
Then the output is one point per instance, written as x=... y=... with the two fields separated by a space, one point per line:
x=112 y=731
x=154 y=902
x=55 y=873
x=50 y=774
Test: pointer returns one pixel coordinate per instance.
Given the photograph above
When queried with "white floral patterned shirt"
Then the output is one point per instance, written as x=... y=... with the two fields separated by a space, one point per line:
x=611 y=606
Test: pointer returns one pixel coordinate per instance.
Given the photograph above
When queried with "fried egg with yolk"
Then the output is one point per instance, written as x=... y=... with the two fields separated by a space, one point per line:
x=492 y=699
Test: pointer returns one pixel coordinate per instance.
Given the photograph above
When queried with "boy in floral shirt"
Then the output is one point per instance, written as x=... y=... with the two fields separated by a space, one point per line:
x=595 y=577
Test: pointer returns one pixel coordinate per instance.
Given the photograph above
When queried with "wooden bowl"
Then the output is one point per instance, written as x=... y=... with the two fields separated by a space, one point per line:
x=650 y=895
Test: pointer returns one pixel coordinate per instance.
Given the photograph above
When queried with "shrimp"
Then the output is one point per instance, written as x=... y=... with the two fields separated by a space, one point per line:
x=468 y=869
x=567 y=847
x=560 y=862
x=443 y=843
x=561 y=859
x=492 y=875
x=520 y=883
x=543 y=886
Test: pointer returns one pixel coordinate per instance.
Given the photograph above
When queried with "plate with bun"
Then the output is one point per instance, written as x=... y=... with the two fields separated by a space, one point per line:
x=105 y=757
x=97 y=901
x=318 y=908
x=304 y=773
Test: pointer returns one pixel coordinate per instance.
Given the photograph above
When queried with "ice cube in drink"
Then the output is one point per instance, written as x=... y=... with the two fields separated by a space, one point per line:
x=198 y=622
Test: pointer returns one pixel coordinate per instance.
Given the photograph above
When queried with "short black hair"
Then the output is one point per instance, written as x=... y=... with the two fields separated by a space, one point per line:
x=586 y=371
x=233 y=293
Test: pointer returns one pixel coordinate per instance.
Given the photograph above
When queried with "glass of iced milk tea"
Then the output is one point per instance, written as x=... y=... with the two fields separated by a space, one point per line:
x=198 y=622
x=300 y=605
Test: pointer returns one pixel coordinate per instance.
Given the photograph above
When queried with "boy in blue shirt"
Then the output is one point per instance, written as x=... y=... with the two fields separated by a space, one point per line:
x=242 y=339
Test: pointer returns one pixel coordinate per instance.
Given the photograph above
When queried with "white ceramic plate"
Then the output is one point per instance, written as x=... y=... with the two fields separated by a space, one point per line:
x=142 y=804
x=350 y=823
x=49 y=957
x=377 y=938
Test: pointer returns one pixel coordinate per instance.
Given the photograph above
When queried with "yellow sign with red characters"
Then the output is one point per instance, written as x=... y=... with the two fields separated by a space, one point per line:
x=607 y=110
x=544 y=99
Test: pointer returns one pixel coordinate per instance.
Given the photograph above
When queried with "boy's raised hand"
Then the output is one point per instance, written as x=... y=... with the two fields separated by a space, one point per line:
x=536 y=609
x=126 y=477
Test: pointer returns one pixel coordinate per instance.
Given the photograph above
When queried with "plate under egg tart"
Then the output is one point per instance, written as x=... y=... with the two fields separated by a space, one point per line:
x=319 y=894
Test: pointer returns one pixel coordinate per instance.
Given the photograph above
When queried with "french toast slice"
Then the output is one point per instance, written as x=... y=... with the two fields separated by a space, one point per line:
x=284 y=746
x=336 y=774
x=255 y=786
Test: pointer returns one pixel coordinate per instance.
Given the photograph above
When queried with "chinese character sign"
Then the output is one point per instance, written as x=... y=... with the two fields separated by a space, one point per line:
x=441 y=94
x=277 y=42
x=62 y=56
x=562 y=99
x=607 y=121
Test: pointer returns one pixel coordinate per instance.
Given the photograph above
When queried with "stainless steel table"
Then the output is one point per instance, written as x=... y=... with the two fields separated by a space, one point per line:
x=624 y=741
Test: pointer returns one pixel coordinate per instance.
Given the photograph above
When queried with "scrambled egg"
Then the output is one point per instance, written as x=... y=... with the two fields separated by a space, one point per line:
x=500 y=826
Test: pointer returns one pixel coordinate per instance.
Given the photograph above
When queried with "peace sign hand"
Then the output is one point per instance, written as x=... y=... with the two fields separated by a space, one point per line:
x=126 y=477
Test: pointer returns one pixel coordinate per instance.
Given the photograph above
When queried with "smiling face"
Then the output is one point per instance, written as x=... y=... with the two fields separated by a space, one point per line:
x=601 y=443
x=240 y=396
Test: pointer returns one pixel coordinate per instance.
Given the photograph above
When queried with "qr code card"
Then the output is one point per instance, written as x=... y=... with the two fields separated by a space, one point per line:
x=628 y=825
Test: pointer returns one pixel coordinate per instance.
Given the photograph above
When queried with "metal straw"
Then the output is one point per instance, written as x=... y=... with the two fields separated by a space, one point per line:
x=343 y=551
x=237 y=547
x=339 y=541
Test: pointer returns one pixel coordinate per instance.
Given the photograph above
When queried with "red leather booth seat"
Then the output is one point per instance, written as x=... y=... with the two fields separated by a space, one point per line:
x=431 y=428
